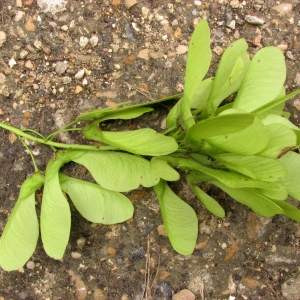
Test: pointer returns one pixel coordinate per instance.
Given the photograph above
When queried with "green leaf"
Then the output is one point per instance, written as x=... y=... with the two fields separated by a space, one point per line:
x=291 y=161
x=174 y=114
x=21 y=232
x=255 y=167
x=253 y=199
x=221 y=124
x=116 y=171
x=280 y=193
x=95 y=203
x=163 y=170
x=281 y=139
x=179 y=218
x=211 y=204
x=144 y=141
x=55 y=213
x=230 y=72
x=247 y=141
x=198 y=59
x=201 y=94
x=263 y=80
x=289 y=210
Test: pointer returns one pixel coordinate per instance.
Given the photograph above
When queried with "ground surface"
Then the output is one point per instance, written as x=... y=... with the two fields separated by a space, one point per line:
x=141 y=56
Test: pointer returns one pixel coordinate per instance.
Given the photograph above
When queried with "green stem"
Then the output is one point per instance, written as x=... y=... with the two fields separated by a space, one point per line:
x=36 y=169
x=64 y=129
x=19 y=132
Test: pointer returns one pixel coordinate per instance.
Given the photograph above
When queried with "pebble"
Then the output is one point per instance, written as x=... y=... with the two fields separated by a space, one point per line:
x=291 y=288
x=184 y=295
x=162 y=230
x=218 y=50
x=129 y=3
x=283 y=8
x=177 y=33
x=83 y=41
x=94 y=41
x=22 y=295
x=144 y=54
x=181 y=49
x=76 y=255
x=29 y=65
x=99 y=294
x=2 y=38
x=254 y=20
x=78 y=89
x=79 y=74
x=282 y=47
x=38 y=44
x=297 y=79
x=12 y=63
x=2 y=78
x=81 y=290
x=231 y=24
x=64 y=28
x=129 y=60
x=61 y=67
x=157 y=55
x=66 y=80
x=111 y=251
x=23 y=54
x=289 y=55
x=30 y=265
x=19 y=3
x=29 y=25
x=84 y=81
x=197 y=2
x=106 y=94
x=19 y=15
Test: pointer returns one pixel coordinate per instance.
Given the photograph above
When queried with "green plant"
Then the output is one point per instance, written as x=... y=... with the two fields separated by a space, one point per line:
x=245 y=147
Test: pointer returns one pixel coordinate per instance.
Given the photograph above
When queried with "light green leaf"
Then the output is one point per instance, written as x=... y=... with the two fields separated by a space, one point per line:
x=201 y=94
x=247 y=141
x=291 y=161
x=174 y=114
x=230 y=72
x=198 y=59
x=280 y=193
x=144 y=141
x=21 y=232
x=263 y=80
x=55 y=213
x=116 y=171
x=179 y=218
x=186 y=116
x=163 y=170
x=95 y=203
x=281 y=139
x=211 y=204
x=255 y=167
x=289 y=210
x=221 y=124
x=253 y=199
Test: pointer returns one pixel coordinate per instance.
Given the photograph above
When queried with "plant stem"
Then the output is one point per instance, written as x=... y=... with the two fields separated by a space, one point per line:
x=19 y=132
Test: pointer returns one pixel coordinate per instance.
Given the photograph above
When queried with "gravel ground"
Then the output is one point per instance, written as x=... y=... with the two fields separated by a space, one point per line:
x=99 y=53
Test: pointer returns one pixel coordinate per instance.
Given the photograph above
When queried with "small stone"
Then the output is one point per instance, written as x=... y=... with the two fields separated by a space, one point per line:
x=290 y=289
x=19 y=16
x=76 y=255
x=297 y=79
x=129 y=60
x=83 y=41
x=94 y=41
x=38 y=44
x=2 y=78
x=129 y=3
x=231 y=24
x=61 y=67
x=162 y=230
x=254 y=20
x=23 y=295
x=111 y=251
x=19 y=3
x=66 y=80
x=107 y=94
x=235 y=4
x=78 y=89
x=218 y=50
x=79 y=74
x=29 y=25
x=115 y=47
x=98 y=294
x=184 y=295
x=177 y=34
x=236 y=35
x=289 y=55
x=197 y=2
x=64 y=28
x=27 y=2
x=115 y=2
x=283 y=8
x=174 y=23
x=181 y=49
x=144 y=54
x=30 y=265
x=157 y=55
x=282 y=47
x=84 y=81
x=2 y=38
x=23 y=54
x=12 y=63
x=29 y=65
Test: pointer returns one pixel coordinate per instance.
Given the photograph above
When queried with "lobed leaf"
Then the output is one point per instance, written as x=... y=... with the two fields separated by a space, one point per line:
x=179 y=218
x=95 y=203
x=21 y=232
x=144 y=141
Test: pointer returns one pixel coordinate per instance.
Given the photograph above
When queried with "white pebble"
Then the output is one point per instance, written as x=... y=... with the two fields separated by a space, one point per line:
x=223 y=245
x=79 y=74
x=19 y=15
x=38 y=44
x=29 y=65
x=30 y=265
x=181 y=49
x=12 y=63
x=64 y=28
x=94 y=41
x=197 y=2
x=23 y=54
x=84 y=81
x=83 y=41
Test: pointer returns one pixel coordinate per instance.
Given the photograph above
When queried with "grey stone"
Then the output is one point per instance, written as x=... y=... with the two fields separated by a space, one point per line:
x=254 y=20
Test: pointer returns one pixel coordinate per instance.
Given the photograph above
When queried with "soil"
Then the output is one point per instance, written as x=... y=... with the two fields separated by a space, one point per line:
x=242 y=256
